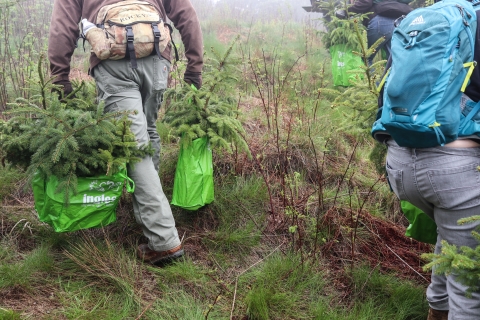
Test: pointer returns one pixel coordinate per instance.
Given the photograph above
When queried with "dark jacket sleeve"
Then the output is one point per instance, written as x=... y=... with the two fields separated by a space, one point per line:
x=361 y=6
x=184 y=18
x=473 y=89
x=63 y=34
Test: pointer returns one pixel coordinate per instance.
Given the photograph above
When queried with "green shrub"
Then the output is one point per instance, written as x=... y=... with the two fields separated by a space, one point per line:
x=9 y=176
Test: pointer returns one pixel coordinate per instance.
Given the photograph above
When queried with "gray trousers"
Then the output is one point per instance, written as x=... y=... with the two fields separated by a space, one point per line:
x=141 y=90
x=445 y=183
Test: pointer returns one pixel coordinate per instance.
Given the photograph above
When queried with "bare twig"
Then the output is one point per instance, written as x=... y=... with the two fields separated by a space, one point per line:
x=400 y=258
x=145 y=310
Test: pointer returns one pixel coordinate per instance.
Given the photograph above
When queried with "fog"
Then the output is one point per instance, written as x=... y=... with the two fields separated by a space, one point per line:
x=256 y=10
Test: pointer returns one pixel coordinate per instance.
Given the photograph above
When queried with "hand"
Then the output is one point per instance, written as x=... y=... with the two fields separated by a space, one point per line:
x=66 y=89
x=194 y=78
x=341 y=14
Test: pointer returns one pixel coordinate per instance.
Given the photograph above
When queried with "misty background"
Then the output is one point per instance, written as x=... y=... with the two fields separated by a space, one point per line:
x=257 y=10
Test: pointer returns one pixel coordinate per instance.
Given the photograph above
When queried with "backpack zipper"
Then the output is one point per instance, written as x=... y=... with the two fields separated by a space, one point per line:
x=413 y=39
x=454 y=50
x=110 y=22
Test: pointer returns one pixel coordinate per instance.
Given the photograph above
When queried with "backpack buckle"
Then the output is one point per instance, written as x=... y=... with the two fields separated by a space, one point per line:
x=130 y=36
x=413 y=39
x=156 y=31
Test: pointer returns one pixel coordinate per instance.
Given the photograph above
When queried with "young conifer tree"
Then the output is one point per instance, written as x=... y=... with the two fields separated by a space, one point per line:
x=463 y=262
x=68 y=138
x=210 y=111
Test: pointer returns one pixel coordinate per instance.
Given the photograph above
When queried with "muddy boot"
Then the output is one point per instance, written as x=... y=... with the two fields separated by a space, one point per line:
x=437 y=314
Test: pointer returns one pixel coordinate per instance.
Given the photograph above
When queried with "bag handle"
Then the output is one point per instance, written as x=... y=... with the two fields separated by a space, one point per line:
x=129 y=183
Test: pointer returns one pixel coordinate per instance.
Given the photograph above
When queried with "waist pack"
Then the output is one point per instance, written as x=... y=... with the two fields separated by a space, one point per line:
x=432 y=60
x=130 y=28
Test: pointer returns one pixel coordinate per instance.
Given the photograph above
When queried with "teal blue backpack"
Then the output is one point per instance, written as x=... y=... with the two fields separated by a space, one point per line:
x=432 y=60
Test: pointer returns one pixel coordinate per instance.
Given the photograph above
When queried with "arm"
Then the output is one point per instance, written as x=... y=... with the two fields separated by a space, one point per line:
x=61 y=42
x=184 y=17
x=361 y=6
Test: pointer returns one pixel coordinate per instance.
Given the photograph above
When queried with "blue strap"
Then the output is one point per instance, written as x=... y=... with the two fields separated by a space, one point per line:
x=470 y=115
x=413 y=39
x=440 y=137
x=470 y=37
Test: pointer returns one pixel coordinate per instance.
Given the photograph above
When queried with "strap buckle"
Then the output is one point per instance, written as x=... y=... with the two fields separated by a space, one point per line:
x=156 y=31
x=130 y=36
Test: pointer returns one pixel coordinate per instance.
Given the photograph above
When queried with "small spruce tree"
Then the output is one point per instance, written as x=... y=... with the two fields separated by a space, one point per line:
x=210 y=111
x=340 y=31
x=463 y=262
x=360 y=101
x=69 y=137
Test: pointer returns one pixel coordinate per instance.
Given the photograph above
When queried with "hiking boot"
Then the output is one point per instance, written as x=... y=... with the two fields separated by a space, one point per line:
x=158 y=257
x=437 y=314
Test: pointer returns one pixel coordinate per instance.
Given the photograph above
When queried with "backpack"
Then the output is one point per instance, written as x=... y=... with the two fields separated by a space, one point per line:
x=432 y=60
x=130 y=28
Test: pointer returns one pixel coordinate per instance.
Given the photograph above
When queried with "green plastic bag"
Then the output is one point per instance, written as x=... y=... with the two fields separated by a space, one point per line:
x=193 y=184
x=422 y=228
x=93 y=206
x=343 y=61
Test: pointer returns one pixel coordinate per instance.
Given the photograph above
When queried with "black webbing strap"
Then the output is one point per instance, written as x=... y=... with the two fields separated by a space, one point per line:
x=173 y=43
x=156 y=34
x=130 y=47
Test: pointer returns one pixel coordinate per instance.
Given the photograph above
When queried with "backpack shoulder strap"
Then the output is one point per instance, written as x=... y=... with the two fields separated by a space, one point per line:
x=173 y=43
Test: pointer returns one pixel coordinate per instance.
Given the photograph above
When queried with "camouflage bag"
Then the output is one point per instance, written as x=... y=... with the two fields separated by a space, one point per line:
x=128 y=29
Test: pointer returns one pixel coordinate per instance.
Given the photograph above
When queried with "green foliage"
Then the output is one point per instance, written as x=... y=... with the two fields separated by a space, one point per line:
x=284 y=288
x=179 y=305
x=9 y=314
x=184 y=273
x=392 y=298
x=108 y=263
x=463 y=262
x=232 y=238
x=67 y=138
x=82 y=300
x=25 y=272
x=341 y=31
x=21 y=46
x=209 y=111
x=238 y=234
x=359 y=102
x=8 y=177
x=377 y=157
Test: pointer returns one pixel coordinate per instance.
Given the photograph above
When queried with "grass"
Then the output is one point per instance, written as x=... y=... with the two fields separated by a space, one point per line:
x=111 y=266
x=6 y=314
x=82 y=300
x=9 y=179
x=177 y=305
x=284 y=287
x=390 y=297
x=26 y=270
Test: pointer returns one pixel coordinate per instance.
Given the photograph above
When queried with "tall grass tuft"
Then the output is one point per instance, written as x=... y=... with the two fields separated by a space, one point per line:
x=111 y=265
x=9 y=176
x=82 y=300
x=284 y=288
x=239 y=220
x=391 y=297
x=6 y=314
x=23 y=270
